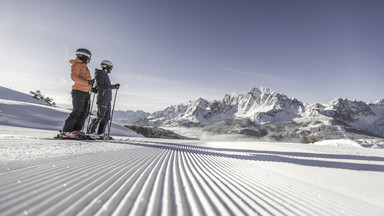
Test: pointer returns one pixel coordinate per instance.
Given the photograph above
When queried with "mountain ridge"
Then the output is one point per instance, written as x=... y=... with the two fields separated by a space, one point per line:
x=262 y=106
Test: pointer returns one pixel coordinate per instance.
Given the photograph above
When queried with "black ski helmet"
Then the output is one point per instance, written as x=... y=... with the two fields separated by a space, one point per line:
x=106 y=64
x=83 y=54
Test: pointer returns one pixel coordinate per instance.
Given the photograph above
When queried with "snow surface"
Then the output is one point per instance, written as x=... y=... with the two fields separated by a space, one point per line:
x=137 y=176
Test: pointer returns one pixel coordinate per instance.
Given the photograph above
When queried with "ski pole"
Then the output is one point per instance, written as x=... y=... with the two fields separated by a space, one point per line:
x=113 y=108
x=89 y=116
x=82 y=129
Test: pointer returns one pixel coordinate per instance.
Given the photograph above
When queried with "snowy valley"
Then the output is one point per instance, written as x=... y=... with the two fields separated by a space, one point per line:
x=225 y=174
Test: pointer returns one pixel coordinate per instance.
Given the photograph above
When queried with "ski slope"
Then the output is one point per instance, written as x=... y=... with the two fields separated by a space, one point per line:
x=138 y=176
x=21 y=110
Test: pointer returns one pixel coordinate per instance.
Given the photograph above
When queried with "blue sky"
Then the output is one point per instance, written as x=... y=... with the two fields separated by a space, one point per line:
x=169 y=52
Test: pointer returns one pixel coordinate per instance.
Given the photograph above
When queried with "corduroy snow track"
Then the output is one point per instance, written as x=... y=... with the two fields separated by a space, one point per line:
x=149 y=177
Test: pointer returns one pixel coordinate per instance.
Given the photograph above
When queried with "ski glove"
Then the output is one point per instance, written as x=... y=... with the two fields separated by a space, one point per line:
x=91 y=82
x=94 y=90
x=117 y=86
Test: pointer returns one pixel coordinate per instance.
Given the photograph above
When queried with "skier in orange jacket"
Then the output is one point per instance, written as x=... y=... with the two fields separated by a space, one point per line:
x=80 y=94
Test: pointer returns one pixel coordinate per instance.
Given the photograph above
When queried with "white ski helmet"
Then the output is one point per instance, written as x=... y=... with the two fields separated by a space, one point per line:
x=83 y=54
x=106 y=64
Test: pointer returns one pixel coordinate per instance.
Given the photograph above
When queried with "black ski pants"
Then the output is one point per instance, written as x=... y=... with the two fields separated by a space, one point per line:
x=76 y=120
x=102 y=119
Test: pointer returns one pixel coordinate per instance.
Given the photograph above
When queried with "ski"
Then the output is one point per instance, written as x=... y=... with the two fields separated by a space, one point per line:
x=78 y=137
x=102 y=137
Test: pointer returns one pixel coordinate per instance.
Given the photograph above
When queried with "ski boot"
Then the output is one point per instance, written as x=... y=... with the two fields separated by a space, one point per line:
x=67 y=135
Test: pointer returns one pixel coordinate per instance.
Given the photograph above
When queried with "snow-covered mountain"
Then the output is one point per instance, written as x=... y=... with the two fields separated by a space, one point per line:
x=261 y=107
x=129 y=116
x=367 y=116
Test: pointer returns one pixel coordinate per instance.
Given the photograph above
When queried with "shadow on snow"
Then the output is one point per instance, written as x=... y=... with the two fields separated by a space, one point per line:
x=311 y=159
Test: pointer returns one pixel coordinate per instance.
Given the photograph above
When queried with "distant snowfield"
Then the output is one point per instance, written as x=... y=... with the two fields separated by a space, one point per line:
x=138 y=176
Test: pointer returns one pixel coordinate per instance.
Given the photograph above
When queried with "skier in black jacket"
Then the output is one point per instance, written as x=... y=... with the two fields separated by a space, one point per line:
x=104 y=98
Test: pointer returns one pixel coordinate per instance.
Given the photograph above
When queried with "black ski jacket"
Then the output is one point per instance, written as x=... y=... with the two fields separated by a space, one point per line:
x=104 y=87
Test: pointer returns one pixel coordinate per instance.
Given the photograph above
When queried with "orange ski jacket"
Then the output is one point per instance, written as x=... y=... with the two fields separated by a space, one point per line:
x=80 y=75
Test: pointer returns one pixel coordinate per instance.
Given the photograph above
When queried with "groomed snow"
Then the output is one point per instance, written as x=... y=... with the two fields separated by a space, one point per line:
x=138 y=176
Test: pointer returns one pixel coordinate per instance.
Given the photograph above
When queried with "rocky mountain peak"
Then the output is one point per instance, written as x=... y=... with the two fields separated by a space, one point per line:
x=263 y=106
x=349 y=111
x=258 y=104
